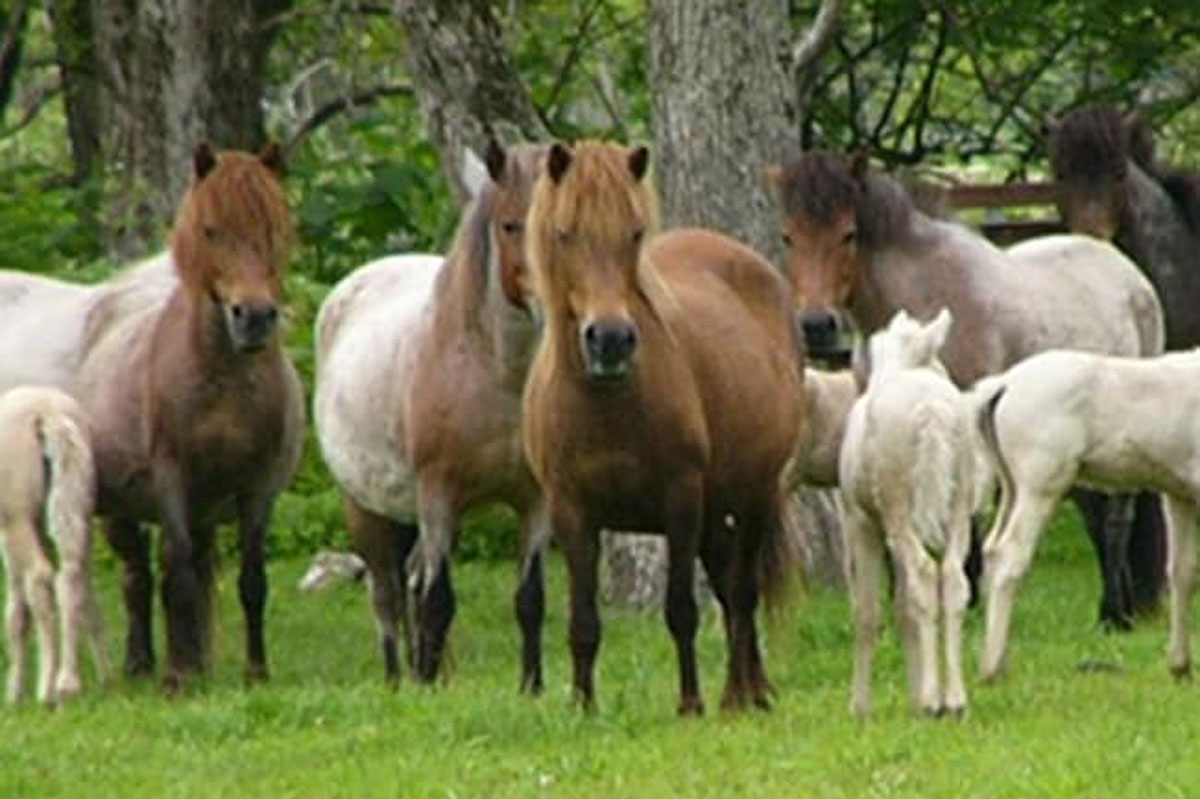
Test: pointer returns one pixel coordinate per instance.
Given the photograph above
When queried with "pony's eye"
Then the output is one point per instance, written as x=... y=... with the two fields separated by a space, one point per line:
x=512 y=227
x=637 y=235
x=850 y=237
x=211 y=233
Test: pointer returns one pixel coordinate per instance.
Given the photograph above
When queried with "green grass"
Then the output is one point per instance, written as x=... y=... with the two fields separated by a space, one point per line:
x=326 y=727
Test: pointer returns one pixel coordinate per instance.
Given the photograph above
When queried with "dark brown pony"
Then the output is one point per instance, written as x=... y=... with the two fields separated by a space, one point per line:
x=1111 y=186
x=665 y=396
x=860 y=250
x=198 y=410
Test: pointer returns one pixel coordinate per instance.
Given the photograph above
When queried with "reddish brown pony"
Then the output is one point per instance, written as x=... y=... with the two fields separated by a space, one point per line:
x=198 y=412
x=665 y=396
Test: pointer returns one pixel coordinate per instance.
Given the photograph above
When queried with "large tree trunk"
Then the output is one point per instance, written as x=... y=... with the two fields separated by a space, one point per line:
x=176 y=72
x=76 y=53
x=464 y=82
x=721 y=113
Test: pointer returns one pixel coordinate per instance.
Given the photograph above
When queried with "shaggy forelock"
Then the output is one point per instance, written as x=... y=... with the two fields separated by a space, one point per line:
x=818 y=186
x=1091 y=142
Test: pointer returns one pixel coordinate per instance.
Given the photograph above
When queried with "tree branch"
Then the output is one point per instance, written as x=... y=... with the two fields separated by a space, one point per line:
x=340 y=105
x=817 y=38
x=41 y=97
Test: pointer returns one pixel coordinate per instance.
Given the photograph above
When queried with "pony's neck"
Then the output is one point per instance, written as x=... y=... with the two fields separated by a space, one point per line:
x=1151 y=222
x=907 y=273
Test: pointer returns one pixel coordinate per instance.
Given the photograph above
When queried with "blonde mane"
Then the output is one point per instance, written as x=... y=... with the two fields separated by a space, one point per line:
x=600 y=200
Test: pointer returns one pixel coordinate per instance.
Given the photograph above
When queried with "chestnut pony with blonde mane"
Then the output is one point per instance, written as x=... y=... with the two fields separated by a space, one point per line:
x=197 y=410
x=666 y=396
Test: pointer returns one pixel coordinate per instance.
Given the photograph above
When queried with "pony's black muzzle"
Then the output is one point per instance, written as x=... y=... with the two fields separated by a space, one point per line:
x=822 y=333
x=251 y=324
x=608 y=346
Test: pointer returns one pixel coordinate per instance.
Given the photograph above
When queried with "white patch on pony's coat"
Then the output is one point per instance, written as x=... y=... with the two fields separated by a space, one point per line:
x=375 y=316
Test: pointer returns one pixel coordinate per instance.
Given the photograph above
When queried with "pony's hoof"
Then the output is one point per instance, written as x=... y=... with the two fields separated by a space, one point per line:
x=532 y=687
x=955 y=712
x=1115 y=621
x=1182 y=672
x=139 y=669
x=173 y=684
x=256 y=673
x=691 y=706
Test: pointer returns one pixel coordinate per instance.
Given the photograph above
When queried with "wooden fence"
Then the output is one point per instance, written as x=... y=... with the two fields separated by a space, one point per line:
x=995 y=198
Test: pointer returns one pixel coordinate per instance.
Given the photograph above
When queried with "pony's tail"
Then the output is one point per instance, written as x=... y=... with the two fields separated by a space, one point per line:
x=932 y=498
x=70 y=480
x=986 y=396
x=779 y=555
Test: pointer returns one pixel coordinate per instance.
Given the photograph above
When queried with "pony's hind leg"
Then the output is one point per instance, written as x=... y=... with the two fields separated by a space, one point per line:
x=954 y=598
x=1006 y=560
x=683 y=617
x=1107 y=525
x=750 y=537
x=132 y=545
x=383 y=545
x=864 y=567
x=16 y=627
x=39 y=588
x=530 y=598
x=1181 y=577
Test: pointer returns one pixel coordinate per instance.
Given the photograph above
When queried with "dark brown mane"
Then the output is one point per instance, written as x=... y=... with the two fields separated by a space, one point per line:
x=1097 y=141
x=818 y=185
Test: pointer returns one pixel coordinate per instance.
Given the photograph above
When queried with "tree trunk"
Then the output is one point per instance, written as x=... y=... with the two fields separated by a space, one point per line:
x=13 y=21
x=463 y=79
x=721 y=113
x=176 y=72
x=77 y=67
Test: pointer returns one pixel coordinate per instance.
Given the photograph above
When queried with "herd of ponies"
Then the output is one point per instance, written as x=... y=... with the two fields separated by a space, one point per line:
x=571 y=361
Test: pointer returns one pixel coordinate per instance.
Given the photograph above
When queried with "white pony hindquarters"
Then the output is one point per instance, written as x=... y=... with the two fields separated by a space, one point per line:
x=70 y=500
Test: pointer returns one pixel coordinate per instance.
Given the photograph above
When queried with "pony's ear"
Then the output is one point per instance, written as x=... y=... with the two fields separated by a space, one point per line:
x=557 y=161
x=639 y=161
x=938 y=330
x=495 y=158
x=860 y=164
x=203 y=160
x=473 y=172
x=271 y=157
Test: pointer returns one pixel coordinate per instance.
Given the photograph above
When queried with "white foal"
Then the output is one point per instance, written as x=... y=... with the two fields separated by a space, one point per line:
x=1064 y=418
x=909 y=482
x=47 y=490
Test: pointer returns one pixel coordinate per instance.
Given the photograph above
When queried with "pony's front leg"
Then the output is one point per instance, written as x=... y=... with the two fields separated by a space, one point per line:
x=132 y=544
x=684 y=517
x=1181 y=576
x=580 y=541
x=530 y=598
x=429 y=572
x=254 y=515
x=181 y=592
x=864 y=567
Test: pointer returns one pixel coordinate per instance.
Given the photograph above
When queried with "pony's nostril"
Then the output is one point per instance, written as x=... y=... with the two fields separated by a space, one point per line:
x=270 y=314
x=591 y=334
x=238 y=310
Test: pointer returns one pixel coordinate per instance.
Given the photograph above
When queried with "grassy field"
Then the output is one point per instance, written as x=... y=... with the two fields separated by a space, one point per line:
x=326 y=727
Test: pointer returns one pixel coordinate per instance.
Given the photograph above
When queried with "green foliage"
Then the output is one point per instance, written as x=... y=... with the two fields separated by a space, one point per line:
x=325 y=726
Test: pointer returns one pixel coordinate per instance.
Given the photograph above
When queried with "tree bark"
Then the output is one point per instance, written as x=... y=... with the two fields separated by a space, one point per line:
x=464 y=81
x=718 y=71
x=13 y=21
x=175 y=72
x=76 y=55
